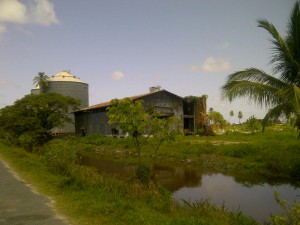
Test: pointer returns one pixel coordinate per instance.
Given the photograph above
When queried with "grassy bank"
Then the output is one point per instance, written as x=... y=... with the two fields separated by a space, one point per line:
x=276 y=152
x=86 y=197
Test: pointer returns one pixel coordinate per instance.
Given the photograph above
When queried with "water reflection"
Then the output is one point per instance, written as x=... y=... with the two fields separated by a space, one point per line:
x=256 y=201
x=253 y=195
x=173 y=178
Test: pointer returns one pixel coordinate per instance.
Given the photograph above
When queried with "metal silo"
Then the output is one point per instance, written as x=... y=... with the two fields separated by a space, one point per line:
x=67 y=84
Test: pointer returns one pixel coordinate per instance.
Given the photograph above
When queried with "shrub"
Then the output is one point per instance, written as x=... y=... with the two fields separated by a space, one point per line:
x=290 y=215
x=59 y=158
x=144 y=173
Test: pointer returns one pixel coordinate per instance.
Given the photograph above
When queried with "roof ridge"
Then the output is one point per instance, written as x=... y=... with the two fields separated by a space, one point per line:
x=135 y=97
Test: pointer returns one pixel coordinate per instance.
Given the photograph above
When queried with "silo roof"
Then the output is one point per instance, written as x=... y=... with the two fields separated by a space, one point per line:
x=65 y=76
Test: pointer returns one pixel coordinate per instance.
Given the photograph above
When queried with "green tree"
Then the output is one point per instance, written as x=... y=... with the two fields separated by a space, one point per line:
x=231 y=113
x=280 y=92
x=253 y=125
x=164 y=130
x=129 y=116
x=29 y=120
x=42 y=81
x=217 y=119
x=240 y=116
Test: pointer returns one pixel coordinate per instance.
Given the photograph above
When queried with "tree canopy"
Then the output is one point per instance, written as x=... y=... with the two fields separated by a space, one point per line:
x=217 y=119
x=130 y=117
x=31 y=118
x=280 y=91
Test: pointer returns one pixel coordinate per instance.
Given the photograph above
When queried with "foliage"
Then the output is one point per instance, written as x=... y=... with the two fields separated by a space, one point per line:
x=217 y=119
x=144 y=173
x=88 y=197
x=29 y=120
x=240 y=116
x=253 y=124
x=279 y=92
x=290 y=215
x=129 y=116
x=41 y=80
x=164 y=130
x=59 y=158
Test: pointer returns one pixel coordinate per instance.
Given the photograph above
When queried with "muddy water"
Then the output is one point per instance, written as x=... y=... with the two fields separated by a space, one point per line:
x=252 y=195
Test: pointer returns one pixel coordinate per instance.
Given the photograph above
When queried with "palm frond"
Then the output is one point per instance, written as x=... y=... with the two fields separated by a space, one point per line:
x=254 y=84
x=277 y=111
x=262 y=94
x=283 y=57
x=256 y=75
x=291 y=94
x=292 y=40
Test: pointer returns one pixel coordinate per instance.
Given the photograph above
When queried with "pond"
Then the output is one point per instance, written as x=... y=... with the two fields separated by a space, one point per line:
x=253 y=195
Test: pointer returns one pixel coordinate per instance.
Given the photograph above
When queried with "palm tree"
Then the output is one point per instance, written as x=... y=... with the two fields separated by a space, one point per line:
x=279 y=92
x=231 y=113
x=41 y=80
x=240 y=116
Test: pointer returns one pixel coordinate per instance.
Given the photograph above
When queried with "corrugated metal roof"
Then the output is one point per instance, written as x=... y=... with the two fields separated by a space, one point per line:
x=65 y=76
x=105 y=104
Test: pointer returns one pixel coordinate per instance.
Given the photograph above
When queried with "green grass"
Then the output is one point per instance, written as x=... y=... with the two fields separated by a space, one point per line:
x=88 y=198
x=276 y=152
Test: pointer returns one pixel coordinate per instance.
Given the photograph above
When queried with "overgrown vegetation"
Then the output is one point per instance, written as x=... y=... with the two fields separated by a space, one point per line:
x=28 y=122
x=290 y=215
x=88 y=197
x=130 y=118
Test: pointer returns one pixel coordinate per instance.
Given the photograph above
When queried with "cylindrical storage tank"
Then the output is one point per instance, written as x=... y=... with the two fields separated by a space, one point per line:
x=67 y=84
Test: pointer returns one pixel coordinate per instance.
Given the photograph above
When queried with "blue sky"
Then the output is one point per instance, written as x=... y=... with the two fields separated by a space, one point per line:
x=122 y=47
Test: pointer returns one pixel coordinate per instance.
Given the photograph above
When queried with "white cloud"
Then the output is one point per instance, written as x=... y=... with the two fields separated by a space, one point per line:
x=211 y=65
x=117 y=75
x=36 y=12
x=13 y=11
x=43 y=13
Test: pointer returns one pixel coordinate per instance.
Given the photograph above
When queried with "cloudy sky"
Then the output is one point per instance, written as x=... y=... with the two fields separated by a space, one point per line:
x=122 y=47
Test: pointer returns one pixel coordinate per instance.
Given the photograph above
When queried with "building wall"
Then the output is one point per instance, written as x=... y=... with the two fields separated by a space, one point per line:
x=90 y=122
x=96 y=121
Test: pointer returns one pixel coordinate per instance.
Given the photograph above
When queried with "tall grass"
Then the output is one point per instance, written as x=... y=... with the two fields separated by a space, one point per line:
x=87 y=197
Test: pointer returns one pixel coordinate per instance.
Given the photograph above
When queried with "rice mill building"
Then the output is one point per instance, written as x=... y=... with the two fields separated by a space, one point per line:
x=67 y=84
x=93 y=119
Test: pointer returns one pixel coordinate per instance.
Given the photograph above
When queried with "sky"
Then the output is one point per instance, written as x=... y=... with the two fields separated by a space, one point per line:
x=123 y=47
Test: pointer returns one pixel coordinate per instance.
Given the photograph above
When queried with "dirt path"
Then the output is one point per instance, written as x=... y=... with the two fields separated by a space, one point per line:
x=20 y=205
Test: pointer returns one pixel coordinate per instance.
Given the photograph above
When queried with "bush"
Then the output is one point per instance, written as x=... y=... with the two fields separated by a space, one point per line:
x=144 y=173
x=59 y=158
x=31 y=139
x=290 y=215
x=241 y=151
